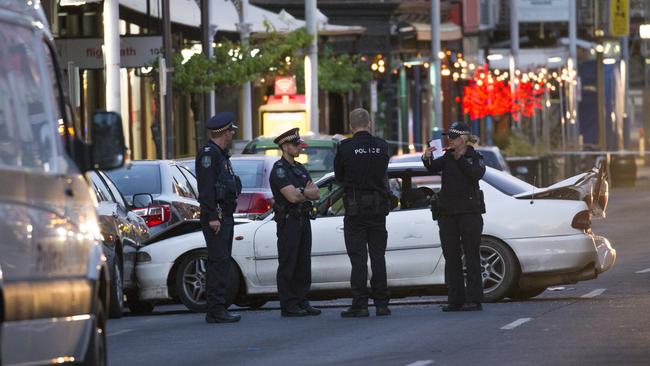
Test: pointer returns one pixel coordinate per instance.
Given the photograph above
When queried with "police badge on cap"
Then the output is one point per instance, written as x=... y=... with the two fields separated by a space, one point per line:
x=457 y=129
x=291 y=137
x=221 y=122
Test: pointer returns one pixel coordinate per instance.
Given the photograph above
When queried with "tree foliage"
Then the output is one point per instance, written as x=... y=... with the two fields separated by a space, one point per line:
x=341 y=74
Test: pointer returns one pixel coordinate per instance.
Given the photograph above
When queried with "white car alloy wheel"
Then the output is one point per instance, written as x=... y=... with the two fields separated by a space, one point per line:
x=498 y=269
x=191 y=281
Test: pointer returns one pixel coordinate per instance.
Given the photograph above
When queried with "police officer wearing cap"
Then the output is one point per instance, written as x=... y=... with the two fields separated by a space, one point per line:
x=293 y=189
x=360 y=165
x=218 y=190
x=461 y=205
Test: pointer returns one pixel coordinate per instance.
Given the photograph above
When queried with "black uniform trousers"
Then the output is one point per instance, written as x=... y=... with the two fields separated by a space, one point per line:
x=363 y=235
x=461 y=234
x=294 y=260
x=218 y=264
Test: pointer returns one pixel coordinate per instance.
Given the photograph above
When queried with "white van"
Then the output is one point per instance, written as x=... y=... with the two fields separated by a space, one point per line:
x=53 y=278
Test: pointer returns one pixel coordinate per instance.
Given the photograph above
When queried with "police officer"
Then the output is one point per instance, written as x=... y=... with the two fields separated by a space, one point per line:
x=293 y=189
x=460 y=222
x=218 y=190
x=360 y=165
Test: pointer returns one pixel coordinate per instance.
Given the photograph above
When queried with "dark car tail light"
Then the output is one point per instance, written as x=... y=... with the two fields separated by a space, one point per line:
x=154 y=215
x=582 y=221
x=259 y=204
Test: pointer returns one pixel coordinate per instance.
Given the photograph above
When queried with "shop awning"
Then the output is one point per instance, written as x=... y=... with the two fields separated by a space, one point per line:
x=448 y=31
x=225 y=17
x=530 y=58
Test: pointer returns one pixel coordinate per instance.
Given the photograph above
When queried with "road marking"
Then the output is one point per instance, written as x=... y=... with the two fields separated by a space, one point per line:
x=421 y=363
x=594 y=293
x=643 y=271
x=516 y=323
x=119 y=332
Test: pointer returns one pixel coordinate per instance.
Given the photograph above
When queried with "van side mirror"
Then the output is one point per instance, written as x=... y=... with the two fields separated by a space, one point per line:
x=108 y=150
x=142 y=200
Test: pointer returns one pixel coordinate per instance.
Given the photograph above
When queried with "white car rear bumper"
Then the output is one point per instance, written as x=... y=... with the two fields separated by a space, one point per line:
x=557 y=254
x=152 y=280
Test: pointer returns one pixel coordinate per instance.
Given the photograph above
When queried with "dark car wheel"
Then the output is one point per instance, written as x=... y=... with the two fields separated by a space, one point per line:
x=190 y=281
x=498 y=269
x=137 y=306
x=96 y=349
x=116 y=303
x=525 y=294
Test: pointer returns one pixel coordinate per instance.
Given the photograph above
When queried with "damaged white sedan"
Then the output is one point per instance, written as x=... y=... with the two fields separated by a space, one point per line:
x=532 y=238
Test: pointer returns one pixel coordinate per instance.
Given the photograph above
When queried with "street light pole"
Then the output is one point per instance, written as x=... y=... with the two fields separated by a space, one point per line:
x=244 y=29
x=167 y=45
x=435 y=65
x=311 y=66
x=573 y=72
x=112 y=54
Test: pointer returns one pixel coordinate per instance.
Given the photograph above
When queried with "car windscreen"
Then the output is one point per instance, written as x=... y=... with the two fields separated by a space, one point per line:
x=251 y=172
x=135 y=179
x=315 y=159
x=506 y=183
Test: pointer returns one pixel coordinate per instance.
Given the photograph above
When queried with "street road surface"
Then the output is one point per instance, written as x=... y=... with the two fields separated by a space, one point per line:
x=601 y=322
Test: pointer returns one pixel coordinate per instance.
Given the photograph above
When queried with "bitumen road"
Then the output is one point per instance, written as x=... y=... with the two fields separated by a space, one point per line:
x=605 y=321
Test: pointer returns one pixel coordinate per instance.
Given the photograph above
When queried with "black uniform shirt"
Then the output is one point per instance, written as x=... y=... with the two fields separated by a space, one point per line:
x=284 y=174
x=460 y=188
x=361 y=162
x=216 y=181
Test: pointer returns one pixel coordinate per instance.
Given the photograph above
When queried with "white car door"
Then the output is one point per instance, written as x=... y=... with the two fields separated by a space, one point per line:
x=414 y=248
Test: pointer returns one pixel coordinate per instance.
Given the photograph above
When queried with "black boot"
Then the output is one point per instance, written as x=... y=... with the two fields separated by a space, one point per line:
x=306 y=306
x=474 y=306
x=221 y=317
x=382 y=311
x=452 y=307
x=294 y=312
x=353 y=312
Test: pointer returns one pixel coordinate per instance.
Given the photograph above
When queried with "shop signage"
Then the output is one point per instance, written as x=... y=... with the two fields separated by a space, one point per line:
x=543 y=10
x=86 y=53
x=619 y=19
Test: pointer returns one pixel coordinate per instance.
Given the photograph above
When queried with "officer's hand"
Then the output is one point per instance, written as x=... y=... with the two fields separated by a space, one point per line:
x=215 y=225
x=428 y=151
x=311 y=185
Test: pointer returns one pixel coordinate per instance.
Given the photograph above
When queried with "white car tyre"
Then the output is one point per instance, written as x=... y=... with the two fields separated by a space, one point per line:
x=499 y=269
x=190 y=281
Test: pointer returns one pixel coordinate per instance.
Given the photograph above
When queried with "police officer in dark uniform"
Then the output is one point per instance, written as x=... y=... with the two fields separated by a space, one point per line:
x=461 y=205
x=218 y=190
x=293 y=189
x=360 y=165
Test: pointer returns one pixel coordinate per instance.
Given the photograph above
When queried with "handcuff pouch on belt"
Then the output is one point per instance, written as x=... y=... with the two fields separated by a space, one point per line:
x=365 y=203
x=435 y=206
x=294 y=210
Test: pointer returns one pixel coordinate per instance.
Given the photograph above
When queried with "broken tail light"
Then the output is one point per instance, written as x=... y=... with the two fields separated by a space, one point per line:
x=154 y=215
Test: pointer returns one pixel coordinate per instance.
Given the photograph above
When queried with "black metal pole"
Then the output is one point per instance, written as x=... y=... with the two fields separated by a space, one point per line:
x=169 y=101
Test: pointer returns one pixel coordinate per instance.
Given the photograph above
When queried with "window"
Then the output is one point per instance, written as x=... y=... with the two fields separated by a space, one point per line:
x=117 y=196
x=28 y=135
x=331 y=201
x=251 y=172
x=140 y=178
x=506 y=183
x=103 y=194
x=181 y=185
x=190 y=178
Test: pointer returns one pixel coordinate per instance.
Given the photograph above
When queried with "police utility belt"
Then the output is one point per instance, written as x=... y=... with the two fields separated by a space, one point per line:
x=362 y=202
x=304 y=209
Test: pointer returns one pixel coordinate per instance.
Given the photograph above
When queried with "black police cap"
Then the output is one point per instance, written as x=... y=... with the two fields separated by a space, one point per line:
x=292 y=136
x=221 y=121
x=457 y=129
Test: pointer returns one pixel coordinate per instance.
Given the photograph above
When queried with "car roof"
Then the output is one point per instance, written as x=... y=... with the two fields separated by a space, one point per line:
x=313 y=140
x=409 y=167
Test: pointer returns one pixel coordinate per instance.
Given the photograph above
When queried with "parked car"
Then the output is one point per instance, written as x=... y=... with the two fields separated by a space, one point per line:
x=253 y=170
x=172 y=187
x=525 y=247
x=123 y=232
x=491 y=155
x=53 y=277
x=318 y=156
